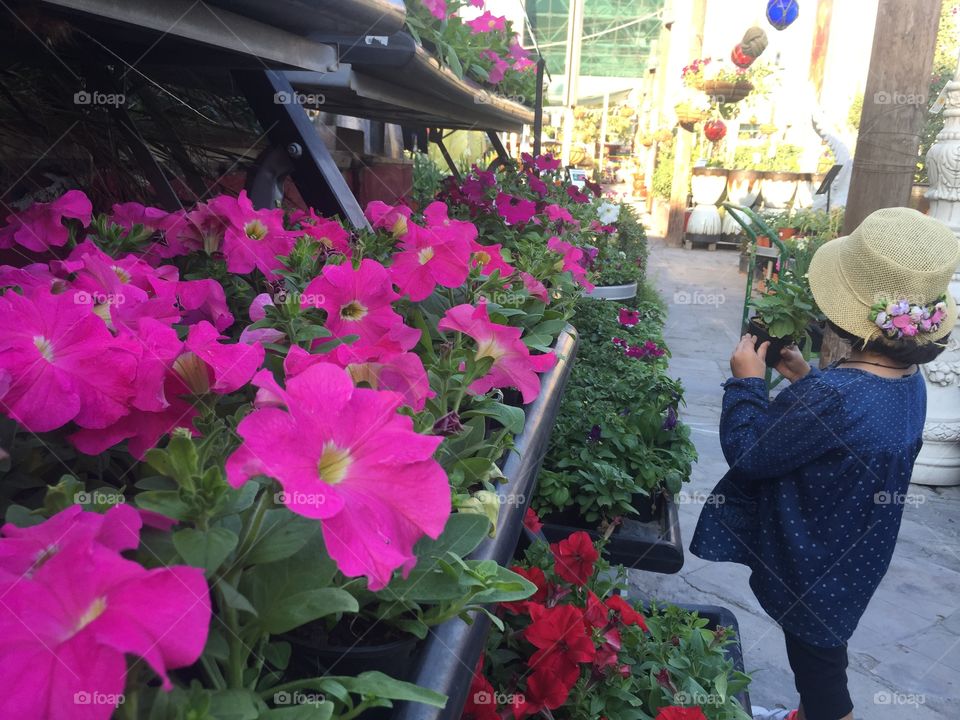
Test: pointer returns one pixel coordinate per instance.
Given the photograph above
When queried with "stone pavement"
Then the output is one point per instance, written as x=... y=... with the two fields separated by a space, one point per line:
x=905 y=655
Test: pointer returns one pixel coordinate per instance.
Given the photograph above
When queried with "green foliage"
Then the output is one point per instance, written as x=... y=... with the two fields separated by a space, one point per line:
x=787 y=309
x=785 y=158
x=621 y=256
x=427 y=177
x=613 y=436
x=663 y=173
x=944 y=67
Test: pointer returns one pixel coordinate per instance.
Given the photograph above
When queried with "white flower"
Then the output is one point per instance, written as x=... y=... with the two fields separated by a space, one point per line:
x=916 y=313
x=608 y=213
x=881 y=318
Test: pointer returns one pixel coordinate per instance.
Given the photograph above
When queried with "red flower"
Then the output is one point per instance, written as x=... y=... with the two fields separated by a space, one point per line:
x=628 y=318
x=681 y=713
x=597 y=614
x=607 y=652
x=560 y=635
x=531 y=521
x=628 y=616
x=481 y=700
x=546 y=688
x=574 y=558
x=536 y=576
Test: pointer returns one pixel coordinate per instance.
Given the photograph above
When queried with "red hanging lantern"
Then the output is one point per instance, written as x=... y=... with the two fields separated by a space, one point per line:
x=715 y=130
x=740 y=58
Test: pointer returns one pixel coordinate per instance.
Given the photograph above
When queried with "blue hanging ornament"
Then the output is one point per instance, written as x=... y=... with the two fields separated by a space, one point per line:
x=782 y=13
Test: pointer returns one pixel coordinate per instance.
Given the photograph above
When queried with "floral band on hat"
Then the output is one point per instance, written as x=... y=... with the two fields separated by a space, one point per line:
x=902 y=319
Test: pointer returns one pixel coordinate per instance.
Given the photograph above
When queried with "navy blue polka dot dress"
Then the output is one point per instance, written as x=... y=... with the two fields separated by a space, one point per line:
x=815 y=493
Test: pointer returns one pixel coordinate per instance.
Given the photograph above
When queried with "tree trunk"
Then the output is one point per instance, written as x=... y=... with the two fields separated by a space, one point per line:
x=684 y=142
x=894 y=106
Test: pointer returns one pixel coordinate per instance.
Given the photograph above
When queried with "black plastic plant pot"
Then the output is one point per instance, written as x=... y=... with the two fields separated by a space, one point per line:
x=445 y=661
x=815 y=331
x=776 y=344
x=653 y=545
x=717 y=617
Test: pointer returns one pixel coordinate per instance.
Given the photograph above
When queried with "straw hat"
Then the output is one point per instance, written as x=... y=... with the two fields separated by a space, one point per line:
x=896 y=254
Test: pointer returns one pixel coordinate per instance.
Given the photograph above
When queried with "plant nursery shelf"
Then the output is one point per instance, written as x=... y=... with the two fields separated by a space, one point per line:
x=393 y=79
x=305 y=17
x=450 y=653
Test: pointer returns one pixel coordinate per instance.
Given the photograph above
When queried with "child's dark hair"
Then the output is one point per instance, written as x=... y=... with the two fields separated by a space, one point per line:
x=903 y=352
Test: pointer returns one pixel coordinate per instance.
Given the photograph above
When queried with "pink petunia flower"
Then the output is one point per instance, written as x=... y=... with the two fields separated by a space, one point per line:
x=345 y=456
x=41 y=227
x=437 y=8
x=393 y=219
x=499 y=69
x=329 y=233
x=572 y=257
x=204 y=300
x=513 y=365
x=64 y=364
x=536 y=288
x=359 y=302
x=402 y=373
x=537 y=185
x=489 y=258
x=68 y=624
x=126 y=215
x=251 y=238
x=577 y=195
x=487 y=22
x=434 y=255
x=628 y=318
x=515 y=210
x=558 y=214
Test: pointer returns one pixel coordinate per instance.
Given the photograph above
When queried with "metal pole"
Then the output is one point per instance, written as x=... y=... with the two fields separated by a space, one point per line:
x=572 y=70
x=538 y=109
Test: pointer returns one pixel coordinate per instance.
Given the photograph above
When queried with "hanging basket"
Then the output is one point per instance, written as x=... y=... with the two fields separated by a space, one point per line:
x=689 y=115
x=727 y=92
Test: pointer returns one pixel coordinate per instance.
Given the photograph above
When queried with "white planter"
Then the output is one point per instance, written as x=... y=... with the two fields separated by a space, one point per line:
x=743 y=189
x=779 y=189
x=803 y=200
x=613 y=292
x=708 y=186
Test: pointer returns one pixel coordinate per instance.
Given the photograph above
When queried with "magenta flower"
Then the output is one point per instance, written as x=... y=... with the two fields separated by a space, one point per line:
x=68 y=624
x=499 y=69
x=487 y=22
x=577 y=195
x=402 y=373
x=345 y=456
x=515 y=210
x=169 y=374
x=489 y=258
x=535 y=287
x=204 y=300
x=537 y=185
x=393 y=219
x=40 y=227
x=437 y=8
x=431 y=256
x=359 y=302
x=251 y=238
x=520 y=55
x=513 y=365
x=628 y=318
x=556 y=213
x=329 y=233
x=572 y=257
x=63 y=363
x=546 y=162
x=126 y=215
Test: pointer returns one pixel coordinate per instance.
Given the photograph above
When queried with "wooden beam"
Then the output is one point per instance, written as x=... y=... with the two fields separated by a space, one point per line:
x=894 y=107
x=682 y=166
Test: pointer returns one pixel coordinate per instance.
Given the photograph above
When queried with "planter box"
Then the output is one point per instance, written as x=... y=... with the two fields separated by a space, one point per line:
x=648 y=541
x=445 y=661
x=613 y=292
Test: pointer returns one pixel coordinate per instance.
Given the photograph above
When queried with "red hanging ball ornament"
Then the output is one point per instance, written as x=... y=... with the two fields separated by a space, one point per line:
x=740 y=58
x=715 y=130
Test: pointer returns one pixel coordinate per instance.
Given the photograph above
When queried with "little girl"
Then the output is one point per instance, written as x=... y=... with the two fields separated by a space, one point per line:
x=813 y=499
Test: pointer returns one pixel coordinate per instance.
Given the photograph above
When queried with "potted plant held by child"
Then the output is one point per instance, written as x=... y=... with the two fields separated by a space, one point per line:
x=782 y=316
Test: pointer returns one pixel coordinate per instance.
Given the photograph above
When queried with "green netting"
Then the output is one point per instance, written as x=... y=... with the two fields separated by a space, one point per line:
x=619 y=35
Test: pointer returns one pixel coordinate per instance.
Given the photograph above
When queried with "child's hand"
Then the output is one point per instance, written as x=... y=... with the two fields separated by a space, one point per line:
x=792 y=365
x=748 y=360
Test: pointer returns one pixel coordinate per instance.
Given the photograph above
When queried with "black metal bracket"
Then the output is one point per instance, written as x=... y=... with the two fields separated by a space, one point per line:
x=503 y=158
x=288 y=126
x=538 y=109
x=436 y=136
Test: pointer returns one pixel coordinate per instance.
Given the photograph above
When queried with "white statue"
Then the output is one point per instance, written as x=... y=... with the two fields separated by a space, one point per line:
x=841 y=184
x=939 y=460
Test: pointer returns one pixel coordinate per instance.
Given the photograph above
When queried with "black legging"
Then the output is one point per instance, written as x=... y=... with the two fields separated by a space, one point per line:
x=820 y=675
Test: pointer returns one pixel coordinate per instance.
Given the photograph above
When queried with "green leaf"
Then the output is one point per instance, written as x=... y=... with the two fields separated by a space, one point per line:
x=165 y=502
x=235 y=599
x=205 y=549
x=512 y=418
x=376 y=684
x=233 y=705
x=319 y=711
x=282 y=534
x=295 y=610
